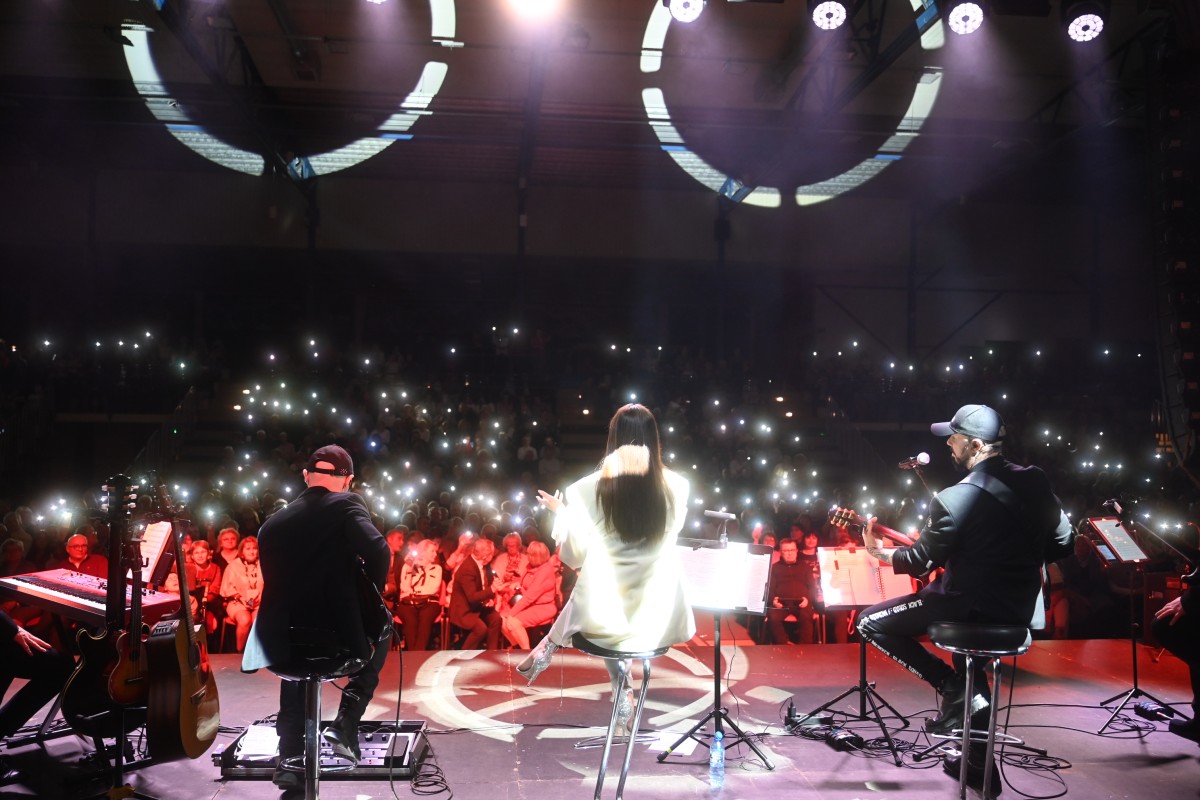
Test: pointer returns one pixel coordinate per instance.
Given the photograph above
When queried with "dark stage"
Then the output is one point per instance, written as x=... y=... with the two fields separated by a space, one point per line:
x=496 y=738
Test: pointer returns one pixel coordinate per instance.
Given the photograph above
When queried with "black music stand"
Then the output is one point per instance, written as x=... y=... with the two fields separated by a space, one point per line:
x=746 y=567
x=1115 y=544
x=864 y=689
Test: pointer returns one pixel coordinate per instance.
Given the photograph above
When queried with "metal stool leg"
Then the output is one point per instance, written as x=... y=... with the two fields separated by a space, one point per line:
x=312 y=739
x=966 y=731
x=618 y=694
x=991 y=738
x=637 y=718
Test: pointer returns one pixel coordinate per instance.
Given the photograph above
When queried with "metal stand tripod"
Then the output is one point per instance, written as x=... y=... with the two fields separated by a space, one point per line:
x=867 y=694
x=718 y=714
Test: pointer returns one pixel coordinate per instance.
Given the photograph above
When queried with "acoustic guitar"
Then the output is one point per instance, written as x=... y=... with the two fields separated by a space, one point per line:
x=185 y=710
x=845 y=517
x=87 y=705
x=127 y=684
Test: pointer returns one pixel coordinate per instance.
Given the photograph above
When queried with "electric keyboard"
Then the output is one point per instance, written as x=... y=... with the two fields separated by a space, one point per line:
x=80 y=597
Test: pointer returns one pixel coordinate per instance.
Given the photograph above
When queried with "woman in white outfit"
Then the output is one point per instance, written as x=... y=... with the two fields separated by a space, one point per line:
x=618 y=526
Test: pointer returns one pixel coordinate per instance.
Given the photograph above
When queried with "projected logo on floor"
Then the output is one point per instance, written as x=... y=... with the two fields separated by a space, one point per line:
x=470 y=689
x=925 y=92
x=167 y=109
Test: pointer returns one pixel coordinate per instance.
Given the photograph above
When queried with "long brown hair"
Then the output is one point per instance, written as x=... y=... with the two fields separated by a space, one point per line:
x=636 y=503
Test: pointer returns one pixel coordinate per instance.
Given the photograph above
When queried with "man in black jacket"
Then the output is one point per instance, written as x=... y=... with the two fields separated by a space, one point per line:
x=992 y=532
x=472 y=597
x=310 y=553
x=23 y=655
x=1177 y=628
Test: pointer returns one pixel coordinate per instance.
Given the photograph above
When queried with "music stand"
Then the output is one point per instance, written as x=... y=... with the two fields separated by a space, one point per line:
x=1116 y=545
x=730 y=576
x=844 y=595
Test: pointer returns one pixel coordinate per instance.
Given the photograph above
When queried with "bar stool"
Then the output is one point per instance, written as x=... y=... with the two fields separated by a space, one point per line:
x=623 y=668
x=316 y=658
x=993 y=642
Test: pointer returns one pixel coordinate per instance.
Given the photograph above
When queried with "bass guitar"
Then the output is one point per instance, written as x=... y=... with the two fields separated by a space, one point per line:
x=185 y=710
x=87 y=705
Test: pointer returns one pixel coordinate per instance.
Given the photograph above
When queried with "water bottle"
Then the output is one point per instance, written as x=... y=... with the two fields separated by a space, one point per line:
x=716 y=761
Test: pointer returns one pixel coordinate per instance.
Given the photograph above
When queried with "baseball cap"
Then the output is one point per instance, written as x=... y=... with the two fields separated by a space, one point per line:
x=343 y=465
x=975 y=421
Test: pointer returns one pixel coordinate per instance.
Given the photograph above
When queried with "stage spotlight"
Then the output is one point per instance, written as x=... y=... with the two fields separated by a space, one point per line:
x=827 y=15
x=684 y=10
x=1084 y=18
x=963 y=16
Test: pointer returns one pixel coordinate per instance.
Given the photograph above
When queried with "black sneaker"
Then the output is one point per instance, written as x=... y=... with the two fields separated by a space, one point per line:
x=975 y=767
x=8 y=773
x=950 y=714
x=945 y=724
x=287 y=779
x=1188 y=730
x=343 y=738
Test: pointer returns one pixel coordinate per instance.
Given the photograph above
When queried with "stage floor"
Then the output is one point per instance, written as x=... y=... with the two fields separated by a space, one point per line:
x=495 y=738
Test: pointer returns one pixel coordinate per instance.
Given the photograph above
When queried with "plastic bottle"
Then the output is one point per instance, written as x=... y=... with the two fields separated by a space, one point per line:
x=716 y=761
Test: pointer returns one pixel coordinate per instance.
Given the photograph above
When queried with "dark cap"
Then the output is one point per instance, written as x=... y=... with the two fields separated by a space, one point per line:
x=974 y=421
x=343 y=465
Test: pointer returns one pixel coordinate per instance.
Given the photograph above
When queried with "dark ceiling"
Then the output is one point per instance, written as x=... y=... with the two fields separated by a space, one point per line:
x=753 y=89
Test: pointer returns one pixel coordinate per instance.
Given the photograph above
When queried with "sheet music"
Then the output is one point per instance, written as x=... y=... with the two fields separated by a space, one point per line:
x=156 y=539
x=730 y=578
x=852 y=579
x=1118 y=538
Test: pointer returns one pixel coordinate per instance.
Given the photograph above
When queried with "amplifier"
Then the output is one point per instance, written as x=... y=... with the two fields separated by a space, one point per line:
x=389 y=750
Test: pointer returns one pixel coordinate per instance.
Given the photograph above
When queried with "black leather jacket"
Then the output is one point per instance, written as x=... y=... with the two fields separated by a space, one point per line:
x=992 y=532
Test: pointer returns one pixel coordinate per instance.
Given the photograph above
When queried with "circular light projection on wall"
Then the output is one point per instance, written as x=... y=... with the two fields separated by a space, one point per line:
x=925 y=93
x=149 y=84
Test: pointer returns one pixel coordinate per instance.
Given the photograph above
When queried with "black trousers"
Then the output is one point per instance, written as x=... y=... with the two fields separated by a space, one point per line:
x=893 y=626
x=418 y=623
x=46 y=673
x=289 y=724
x=1183 y=639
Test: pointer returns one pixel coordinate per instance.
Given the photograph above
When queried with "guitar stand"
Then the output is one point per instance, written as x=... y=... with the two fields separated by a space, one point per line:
x=866 y=693
x=718 y=714
x=118 y=789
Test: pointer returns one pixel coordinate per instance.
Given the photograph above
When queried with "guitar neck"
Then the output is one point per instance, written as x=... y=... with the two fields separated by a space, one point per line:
x=895 y=536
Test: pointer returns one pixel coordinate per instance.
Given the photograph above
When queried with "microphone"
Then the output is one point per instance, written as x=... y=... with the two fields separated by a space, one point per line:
x=725 y=515
x=919 y=460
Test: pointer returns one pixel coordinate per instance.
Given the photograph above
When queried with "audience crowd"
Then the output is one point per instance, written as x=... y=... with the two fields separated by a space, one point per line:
x=451 y=449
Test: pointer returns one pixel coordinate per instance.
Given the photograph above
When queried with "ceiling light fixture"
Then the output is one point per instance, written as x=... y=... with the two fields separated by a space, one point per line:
x=1084 y=19
x=828 y=15
x=684 y=10
x=963 y=16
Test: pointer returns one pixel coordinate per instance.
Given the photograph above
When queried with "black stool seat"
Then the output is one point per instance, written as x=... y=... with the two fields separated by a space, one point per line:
x=592 y=649
x=978 y=639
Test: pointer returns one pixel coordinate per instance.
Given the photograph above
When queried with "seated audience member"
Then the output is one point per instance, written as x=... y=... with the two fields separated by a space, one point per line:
x=80 y=559
x=12 y=558
x=227 y=547
x=471 y=601
x=419 y=582
x=204 y=584
x=791 y=591
x=535 y=600
x=509 y=566
x=241 y=586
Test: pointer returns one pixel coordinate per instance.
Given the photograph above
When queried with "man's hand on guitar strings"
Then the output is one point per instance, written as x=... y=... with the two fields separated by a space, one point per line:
x=874 y=544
